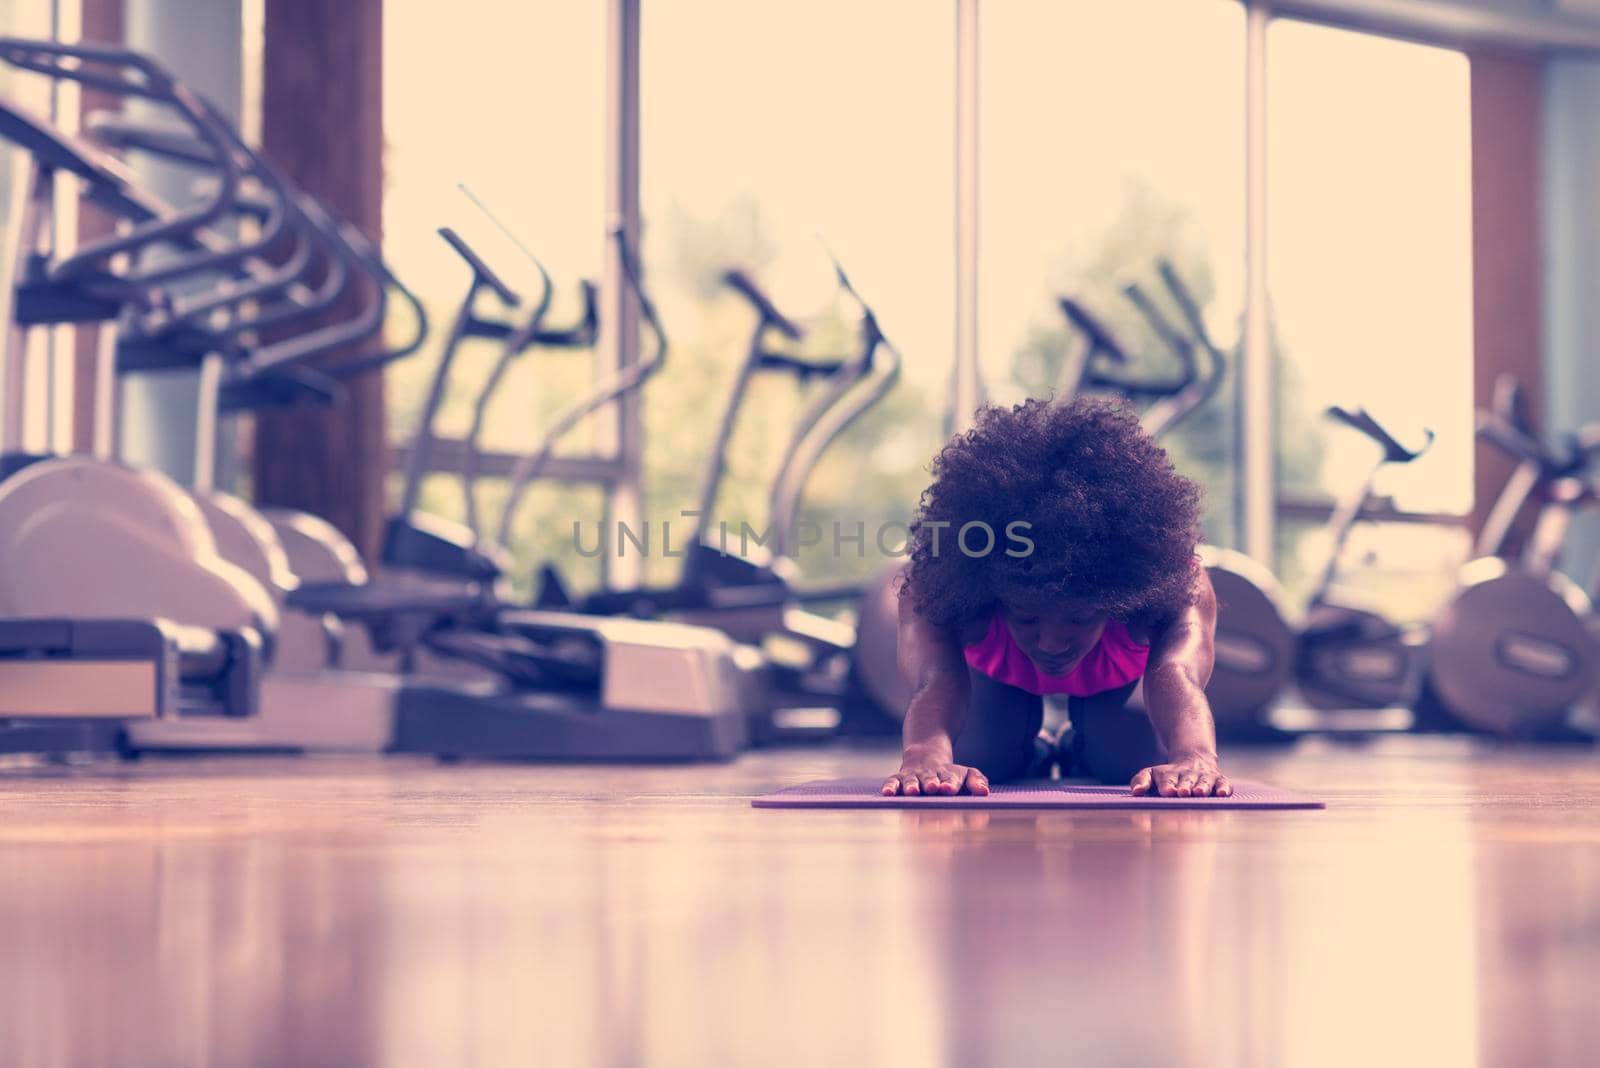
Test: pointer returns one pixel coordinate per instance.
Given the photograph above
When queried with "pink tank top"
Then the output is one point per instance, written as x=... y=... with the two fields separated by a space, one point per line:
x=1115 y=661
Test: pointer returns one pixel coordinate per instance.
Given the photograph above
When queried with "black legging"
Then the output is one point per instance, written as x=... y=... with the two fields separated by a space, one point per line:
x=1109 y=742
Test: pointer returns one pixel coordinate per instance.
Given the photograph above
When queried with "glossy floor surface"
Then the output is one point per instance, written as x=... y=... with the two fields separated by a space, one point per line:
x=1444 y=910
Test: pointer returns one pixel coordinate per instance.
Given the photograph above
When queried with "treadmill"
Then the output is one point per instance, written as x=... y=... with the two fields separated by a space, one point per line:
x=558 y=686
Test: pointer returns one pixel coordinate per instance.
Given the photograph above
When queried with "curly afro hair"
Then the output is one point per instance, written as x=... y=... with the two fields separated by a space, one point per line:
x=1113 y=525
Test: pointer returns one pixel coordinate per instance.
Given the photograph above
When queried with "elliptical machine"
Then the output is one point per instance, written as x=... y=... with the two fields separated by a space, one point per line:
x=79 y=664
x=422 y=544
x=754 y=597
x=280 y=547
x=560 y=687
x=76 y=526
x=1513 y=650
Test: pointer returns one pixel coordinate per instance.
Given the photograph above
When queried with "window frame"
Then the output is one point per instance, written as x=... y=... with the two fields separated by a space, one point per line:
x=1260 y=503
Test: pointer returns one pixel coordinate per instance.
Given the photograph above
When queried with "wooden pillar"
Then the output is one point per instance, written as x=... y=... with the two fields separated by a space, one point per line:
x=104 y=22
x=1507 y=284
x=322 y=123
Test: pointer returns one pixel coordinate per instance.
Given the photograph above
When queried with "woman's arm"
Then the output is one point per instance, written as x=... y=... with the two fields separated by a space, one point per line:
x=932 y=663
x=1181 y=658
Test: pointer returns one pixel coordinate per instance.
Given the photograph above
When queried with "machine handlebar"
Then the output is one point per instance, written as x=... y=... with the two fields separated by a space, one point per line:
x=126 y=73
x=1099 y=337
x=742 y=284
x=1500 y=431
x=582 y=333
x=1393 y=451
x=480 y=270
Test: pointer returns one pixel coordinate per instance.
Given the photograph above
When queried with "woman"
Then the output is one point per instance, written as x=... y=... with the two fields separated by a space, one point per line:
x=1054 y=554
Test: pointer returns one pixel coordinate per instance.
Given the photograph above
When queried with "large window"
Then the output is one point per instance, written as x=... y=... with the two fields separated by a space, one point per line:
x=515 y=117
x=1370 y=276
x=753 y=156
x=765 y=128
x=1110 y=137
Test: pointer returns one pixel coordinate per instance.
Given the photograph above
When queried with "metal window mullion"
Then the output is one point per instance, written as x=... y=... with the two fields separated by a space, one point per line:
x=1258 y=411
x=965 y=375
x=619 y=332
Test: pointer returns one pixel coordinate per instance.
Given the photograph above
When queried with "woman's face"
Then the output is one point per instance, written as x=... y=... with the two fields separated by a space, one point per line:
x=1055 y=638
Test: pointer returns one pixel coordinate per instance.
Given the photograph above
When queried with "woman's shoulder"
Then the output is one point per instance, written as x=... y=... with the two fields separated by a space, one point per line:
x=1146 y=627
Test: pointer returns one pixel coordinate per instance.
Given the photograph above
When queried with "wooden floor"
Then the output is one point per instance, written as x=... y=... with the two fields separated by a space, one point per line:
x=1444 y=910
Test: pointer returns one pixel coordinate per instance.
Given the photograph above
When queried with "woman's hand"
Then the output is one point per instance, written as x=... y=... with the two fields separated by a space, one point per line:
x=1189 y=775
x=922 y=772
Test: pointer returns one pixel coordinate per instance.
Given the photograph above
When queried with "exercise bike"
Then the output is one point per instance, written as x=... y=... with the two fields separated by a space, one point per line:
x=1514 y=650
x=1348 y=656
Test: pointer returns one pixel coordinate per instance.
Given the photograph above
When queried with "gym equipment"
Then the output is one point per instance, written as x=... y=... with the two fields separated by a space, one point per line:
x=865 y=793
x=432 y=555
x=1170 y=401
x=582 y=335
x=559 y=688
x=319 y=553
x=1512 y=651
x=420 y=550
x=754 y=598
x=73 y=668
x=1347 y=656
x=416 y=541
x=85 y=538
x=69 y=686
x=616 y=689
x=161 y=331
x=263 y=374
x=740 y=594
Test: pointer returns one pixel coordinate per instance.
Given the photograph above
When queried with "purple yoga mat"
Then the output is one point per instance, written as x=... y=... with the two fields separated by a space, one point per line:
x=864 y=793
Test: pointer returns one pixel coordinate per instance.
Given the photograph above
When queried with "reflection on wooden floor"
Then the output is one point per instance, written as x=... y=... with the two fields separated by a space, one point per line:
x=1445 y=910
